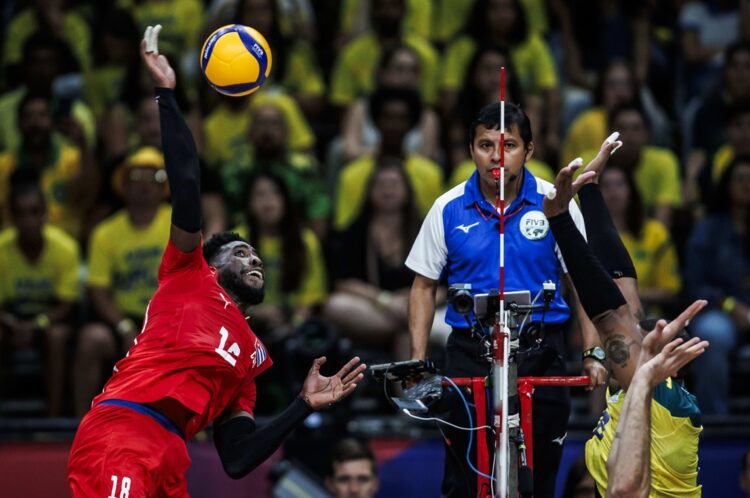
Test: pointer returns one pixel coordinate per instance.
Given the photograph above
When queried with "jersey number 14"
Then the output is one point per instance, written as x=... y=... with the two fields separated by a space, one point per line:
x=231 y=354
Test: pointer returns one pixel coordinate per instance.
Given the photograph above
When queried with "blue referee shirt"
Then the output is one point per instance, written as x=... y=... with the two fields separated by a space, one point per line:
x=460 y=238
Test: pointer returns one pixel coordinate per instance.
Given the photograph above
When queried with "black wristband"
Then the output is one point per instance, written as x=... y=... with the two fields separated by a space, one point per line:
x=596 y=290
x=603 y=238
x=242 y=448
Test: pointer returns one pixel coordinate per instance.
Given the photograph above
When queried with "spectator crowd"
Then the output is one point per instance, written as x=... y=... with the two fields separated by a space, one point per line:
x=330 y=168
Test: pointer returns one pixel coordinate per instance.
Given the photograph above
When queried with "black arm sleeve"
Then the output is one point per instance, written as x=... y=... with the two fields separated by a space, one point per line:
x=181 y=158
x=603 y=238
x=242 y=448
x=596 y=290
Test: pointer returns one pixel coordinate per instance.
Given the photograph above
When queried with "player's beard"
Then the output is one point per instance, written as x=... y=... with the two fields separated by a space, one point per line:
x=246 y=294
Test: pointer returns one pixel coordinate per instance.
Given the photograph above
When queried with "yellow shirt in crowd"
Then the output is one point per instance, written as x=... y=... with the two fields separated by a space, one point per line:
x=675 y=427
x=654 y=257
x=532 y=62
x=657 y=175
x=587 y=132
x=125 y=259
x=181 y=20
x=28 y=288
x=354 y=72
x=76 y=34
x=226 y=131
x=57 y=179
x=313 y=285
x=425 y=177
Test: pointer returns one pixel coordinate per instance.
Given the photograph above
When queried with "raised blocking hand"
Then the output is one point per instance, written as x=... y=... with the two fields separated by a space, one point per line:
x=157 y=65
x=557 y=201
x=596 y=165
x=319 y=391
x=670 y=360
x=664 y=333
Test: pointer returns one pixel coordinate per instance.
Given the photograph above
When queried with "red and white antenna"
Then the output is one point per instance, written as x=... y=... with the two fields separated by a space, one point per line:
x=501 y=333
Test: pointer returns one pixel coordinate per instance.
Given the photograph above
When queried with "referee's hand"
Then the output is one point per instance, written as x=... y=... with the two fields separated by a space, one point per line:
x=319 y=391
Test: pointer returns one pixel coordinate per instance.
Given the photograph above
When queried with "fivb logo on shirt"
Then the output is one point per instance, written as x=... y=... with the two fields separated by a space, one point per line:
x=534 y=225
x=260 y=355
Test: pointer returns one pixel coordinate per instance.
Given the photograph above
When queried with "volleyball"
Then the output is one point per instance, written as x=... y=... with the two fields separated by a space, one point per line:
x=236 y=60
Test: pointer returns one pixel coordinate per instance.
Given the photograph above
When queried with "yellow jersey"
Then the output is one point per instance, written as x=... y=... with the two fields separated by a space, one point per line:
x=125 y=259
x=57 y=177
x=354 y=71
x=675 y=427
x=586 y=133
x=657 y=176
x=532 y=62
x=28 y=288
x=313 y=285
x=654 y=257
x=425 y=178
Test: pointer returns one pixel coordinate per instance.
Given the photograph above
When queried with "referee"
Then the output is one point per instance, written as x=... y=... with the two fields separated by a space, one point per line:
x=459 y=241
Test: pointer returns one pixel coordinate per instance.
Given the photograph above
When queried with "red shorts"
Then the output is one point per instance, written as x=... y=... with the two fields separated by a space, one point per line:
x=121 y=453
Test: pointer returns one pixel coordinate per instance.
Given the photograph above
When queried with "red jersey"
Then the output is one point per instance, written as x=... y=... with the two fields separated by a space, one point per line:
x=195 y=346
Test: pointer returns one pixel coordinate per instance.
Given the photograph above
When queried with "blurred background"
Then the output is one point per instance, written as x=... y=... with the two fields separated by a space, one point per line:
x=329 y=170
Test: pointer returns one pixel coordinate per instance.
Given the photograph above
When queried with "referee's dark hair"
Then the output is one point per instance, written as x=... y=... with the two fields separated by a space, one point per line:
x=489 y=117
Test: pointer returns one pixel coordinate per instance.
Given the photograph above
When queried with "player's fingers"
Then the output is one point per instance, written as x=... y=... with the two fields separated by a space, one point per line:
x=690 y=312
x=582 y=180
x=346 y=368
x=155 y=35
x=317 y=363
x=147 y=38
x=671 y=346
x=357 y=372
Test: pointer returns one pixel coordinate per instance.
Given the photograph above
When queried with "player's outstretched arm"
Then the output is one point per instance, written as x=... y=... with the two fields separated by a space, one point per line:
x=242 y=448
x=629 y=462
x=180 y=153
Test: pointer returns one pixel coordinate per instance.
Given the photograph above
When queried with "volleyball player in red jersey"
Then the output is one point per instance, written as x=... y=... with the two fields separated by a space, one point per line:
x=196 y=360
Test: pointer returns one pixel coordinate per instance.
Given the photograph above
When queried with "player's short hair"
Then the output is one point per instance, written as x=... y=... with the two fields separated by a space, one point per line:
x=350 y=449
x=489 y=117
x=213 y=245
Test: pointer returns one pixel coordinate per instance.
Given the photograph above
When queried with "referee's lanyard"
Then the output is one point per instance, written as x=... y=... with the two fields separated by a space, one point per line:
x=495 y=213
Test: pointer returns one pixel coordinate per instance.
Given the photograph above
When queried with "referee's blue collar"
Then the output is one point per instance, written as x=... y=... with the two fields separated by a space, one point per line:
x=527 y=195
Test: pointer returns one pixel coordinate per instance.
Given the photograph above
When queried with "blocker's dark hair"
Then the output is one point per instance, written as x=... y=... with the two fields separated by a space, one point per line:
x=213 y=245
x=489 y=117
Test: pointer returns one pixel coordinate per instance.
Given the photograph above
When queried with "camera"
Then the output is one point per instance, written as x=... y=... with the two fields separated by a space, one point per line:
x=459 y=296
x=486 y=305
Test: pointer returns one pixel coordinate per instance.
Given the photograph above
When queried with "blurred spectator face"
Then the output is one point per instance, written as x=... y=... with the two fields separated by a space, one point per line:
x=41 y=68
x=393 y=124
x=738 y=134
x=745 y=475
x=141 y=187
x=615 y=191
x=501 y=15
x=739 y=187
x=354 y=479
x=28 y=214
x=402 y=71
x=266 y=203
x=387 y=16
x=487 y=73
x=35 y=123
x=119 y=50
x=618 y=86
x=258 y=14
x=268 y=130
x=46 y=5
x=738 y=75
x=147 y=125
x=389 y=190
x=633 y=133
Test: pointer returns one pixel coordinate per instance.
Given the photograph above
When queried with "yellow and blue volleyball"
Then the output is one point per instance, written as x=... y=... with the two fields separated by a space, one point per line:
x=236 y=60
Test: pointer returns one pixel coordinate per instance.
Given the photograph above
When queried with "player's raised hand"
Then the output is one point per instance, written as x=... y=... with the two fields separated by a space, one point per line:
x=319 y=391
x=675 y=355
x=609 y=146
x=656 y=340
x=158 y=65
x=557 y=201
